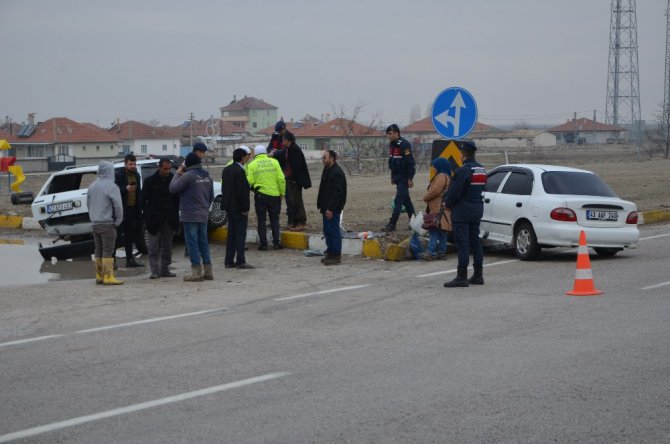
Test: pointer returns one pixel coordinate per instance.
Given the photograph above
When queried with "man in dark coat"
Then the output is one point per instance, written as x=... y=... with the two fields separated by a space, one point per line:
x=161 y=218
x=464 y=198
x=330 y=202
x=402 y=166
x=294 y=164
x=235 y=200
x=128 y=181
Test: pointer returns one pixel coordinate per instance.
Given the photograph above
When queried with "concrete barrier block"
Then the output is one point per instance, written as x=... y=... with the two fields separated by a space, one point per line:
x=11 y=221
x=654 y=216
x=219 y=235
x=394 y=253
x=299 y=241
x=29 y=223
x=372 y=248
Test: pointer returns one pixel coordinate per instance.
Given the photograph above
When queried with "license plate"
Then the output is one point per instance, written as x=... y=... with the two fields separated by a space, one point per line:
x=59 y=207
x=602 y=215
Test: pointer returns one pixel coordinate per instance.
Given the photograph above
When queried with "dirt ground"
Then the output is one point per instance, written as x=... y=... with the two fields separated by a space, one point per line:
x=645 y=182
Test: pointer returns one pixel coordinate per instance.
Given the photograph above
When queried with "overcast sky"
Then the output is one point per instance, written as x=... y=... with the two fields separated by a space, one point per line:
x=523 y=60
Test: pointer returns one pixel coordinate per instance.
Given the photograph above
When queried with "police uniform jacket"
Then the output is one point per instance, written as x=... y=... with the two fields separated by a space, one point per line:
x=464 y=195
x=401 y=161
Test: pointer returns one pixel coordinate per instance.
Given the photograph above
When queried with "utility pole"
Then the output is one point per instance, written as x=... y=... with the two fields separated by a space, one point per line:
x=623 y=74
x=190 y=125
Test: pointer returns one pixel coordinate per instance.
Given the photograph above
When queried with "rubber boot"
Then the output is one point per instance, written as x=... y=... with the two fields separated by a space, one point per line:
x=334 y=259
x=207 y=273
x=108 y=272
x=461 y=279
x=98 y=270
x=196 y=274
x=477 y=277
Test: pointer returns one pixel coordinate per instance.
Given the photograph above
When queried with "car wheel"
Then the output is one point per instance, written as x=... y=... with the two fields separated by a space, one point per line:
x=217 y=215
x=525 y=242
x=607 y=252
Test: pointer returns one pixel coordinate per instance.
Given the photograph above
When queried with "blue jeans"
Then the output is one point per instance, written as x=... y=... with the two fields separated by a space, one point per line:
x=466 y=238
x=331 y=232
x=438 y=238
x=197 y=242
x=401 y=198
x=237 y=236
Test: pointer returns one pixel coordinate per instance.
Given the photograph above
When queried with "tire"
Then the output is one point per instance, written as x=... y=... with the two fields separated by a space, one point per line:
x=607 y=252
x=525 y=242
x=217 y=215
x=141 y=243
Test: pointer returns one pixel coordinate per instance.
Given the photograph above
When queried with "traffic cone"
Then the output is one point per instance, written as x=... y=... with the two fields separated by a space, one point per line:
x=584 y=285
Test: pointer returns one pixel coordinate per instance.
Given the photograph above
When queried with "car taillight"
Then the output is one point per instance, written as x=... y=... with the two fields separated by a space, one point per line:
x=563 y=215
x=632 y=218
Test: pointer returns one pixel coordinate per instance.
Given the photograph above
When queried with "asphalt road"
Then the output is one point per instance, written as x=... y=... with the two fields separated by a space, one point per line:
x=370 y=351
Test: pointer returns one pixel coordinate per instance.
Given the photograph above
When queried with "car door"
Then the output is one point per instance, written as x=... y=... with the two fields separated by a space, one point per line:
x=493 y=181
x=511 y=203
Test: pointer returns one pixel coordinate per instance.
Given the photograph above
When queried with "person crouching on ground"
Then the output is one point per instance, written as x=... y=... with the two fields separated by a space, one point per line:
x=437 y=244
x=330 y=202
x=196 y=193
x=105 y=208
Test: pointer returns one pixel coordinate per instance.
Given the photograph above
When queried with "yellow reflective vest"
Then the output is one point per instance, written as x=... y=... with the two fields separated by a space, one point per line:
x=266 y=176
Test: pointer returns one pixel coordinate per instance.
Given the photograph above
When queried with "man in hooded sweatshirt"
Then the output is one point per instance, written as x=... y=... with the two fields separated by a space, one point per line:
x=196 y=193
x=105 y=210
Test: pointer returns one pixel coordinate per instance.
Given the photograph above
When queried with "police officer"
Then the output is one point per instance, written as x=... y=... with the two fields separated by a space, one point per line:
x=401 y=164
x=464 y=197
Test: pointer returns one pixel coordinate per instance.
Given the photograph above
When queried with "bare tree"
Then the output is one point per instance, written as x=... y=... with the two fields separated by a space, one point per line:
x=521 y=125
x=415 y=113
x=360 y=138
x=153 y=122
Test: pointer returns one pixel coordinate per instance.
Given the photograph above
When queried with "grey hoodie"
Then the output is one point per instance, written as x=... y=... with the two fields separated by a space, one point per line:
x=104 y=198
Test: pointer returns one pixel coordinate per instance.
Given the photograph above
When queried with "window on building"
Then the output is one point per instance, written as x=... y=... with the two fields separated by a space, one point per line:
x=143 y=149
x=255 y=124
x=83 y=148
x=303 y=146
x=111 y=147
x=97 y=147
x=164 y=147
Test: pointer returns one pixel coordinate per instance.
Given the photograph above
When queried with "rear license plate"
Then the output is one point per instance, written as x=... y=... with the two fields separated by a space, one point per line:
x=602 y=215
x=59 y=207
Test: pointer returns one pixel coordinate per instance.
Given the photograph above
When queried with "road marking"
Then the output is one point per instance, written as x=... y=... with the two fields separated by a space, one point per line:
x=316 y=293
x=436 y=273
x=111 y=327
x=25 y=341
x=148 y=321
x=651 y=287
x=654 y=237
x=137 y=407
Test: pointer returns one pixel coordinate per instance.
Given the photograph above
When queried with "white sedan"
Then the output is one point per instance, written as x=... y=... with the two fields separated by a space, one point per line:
x=535 y=206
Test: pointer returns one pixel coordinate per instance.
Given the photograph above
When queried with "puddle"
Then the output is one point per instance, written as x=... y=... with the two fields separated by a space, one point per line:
x=22 y=264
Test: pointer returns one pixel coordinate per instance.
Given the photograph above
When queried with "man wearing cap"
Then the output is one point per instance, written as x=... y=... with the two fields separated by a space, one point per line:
x=277 y=136
x=266 y=180
x=464 y=198
x=235 y=200
x=200 y=150
x=196 y=193
x=401 y=164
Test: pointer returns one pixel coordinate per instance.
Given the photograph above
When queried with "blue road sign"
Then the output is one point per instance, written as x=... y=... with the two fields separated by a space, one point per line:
x=454 y=113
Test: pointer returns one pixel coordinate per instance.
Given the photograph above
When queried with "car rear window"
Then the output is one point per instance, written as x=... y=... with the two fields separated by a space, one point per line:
x=577 y=183
x=71 y=182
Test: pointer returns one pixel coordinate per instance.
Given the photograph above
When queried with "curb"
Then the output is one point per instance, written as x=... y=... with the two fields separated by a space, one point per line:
x=371 y=248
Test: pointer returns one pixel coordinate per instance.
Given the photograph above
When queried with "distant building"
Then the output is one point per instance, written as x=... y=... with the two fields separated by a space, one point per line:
x=145 y=140
x=59 y=140
x=249 y=114
x=422 y=133
x=338 y=135
x=588 y=132
x=513 y=138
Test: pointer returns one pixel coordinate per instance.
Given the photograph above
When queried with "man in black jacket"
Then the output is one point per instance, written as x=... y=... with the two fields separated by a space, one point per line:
x=128 y=181
x=161 y=218
x=235 y=200
x=402 y=166
x=330 y=202
x=292 y=160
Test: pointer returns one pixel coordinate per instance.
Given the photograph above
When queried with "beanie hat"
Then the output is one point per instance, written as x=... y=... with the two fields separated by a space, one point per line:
x=260 y=149
x=192 y=159
x=393 y=127
x=280 y=125
x=199 y=147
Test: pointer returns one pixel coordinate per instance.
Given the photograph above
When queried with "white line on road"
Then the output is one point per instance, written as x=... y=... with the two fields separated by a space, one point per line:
x=136 y=407
x=111 y=327
x=25 y=341
x=316 y=293
x=436 y=273
x=653 y=237
x=651 y=287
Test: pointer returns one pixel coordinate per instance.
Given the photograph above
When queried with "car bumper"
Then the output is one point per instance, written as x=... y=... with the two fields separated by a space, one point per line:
x=567 y=235
x=79 y=229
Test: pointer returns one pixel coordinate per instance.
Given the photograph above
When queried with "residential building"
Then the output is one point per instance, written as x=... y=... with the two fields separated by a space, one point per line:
x=588 y=132
x=50 y=144
x=146 y=140
x=513 y=138
x=341 y=135
x=249 y=114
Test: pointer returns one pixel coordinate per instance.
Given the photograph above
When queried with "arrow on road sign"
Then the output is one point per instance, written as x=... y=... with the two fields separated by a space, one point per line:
x=455 y=120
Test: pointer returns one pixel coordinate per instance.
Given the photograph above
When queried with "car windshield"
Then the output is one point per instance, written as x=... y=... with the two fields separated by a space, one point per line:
x=575 y=183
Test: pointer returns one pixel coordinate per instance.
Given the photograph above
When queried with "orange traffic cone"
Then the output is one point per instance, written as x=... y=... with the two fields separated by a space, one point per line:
x=584 y=285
